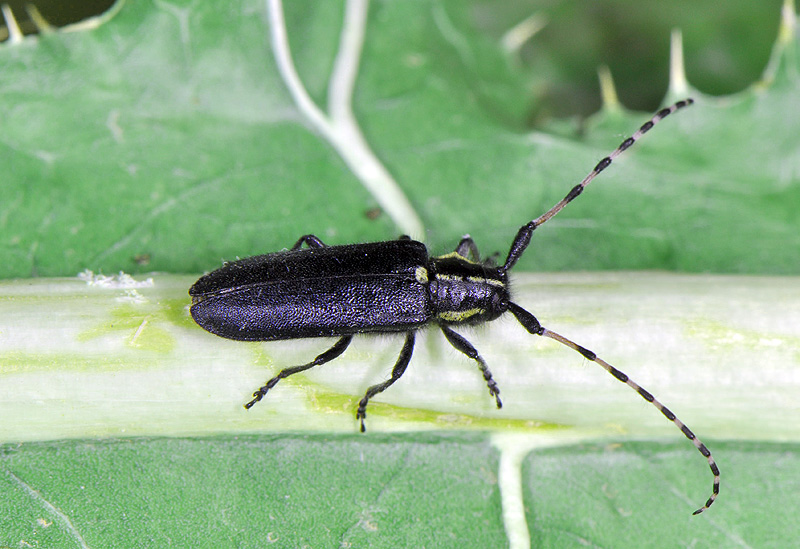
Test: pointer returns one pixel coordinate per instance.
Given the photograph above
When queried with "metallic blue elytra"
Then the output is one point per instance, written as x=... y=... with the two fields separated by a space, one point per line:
x=316 y=292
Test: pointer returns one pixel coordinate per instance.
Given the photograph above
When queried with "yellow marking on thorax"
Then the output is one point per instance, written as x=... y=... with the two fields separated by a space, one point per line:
x=459 y=316
x=457 y=256
x=475 y=279
x=483 y=280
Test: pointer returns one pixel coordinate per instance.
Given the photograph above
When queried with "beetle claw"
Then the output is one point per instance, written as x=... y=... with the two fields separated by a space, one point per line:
x=258 y=396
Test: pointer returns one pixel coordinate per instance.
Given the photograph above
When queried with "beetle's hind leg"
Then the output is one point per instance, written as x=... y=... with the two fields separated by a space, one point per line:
x=310 y=240
x=337 y=349
x=466 y=347
x=399 y=368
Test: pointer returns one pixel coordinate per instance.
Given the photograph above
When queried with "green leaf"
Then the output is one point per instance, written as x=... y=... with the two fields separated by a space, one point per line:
x=166 y=138
x=312 y=491
x=430 y=490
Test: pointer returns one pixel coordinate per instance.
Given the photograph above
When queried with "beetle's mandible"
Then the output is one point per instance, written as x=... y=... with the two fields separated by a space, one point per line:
x=395 y=286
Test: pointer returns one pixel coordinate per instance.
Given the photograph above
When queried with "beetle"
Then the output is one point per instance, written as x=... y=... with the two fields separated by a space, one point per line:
x=394 y=286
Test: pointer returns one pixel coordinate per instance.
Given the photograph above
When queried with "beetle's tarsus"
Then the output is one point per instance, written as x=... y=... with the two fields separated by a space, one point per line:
x=497 y=400
x=361 y=414
x=258 y=396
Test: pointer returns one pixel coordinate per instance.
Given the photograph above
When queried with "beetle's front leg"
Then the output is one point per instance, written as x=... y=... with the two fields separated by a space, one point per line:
x=399 y=369
x=467 y=247
x=469 y=250
x=337 y=349
x=310 y=240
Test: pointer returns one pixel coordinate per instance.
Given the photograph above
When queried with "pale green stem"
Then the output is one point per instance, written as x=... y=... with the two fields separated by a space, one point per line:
x=84 y=360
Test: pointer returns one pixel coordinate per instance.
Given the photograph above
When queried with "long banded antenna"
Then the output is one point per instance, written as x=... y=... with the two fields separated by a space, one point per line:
x=621 y=376
x=530 y=323
x=523 y=237
x=604 y=163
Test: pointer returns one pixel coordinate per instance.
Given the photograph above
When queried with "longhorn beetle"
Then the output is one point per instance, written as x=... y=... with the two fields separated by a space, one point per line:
x=394 y=286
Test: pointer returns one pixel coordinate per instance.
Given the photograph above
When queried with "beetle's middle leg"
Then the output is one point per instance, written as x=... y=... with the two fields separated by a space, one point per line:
x=337 y=349
x=466 y=347
x=310 y=240
x=397 y=372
